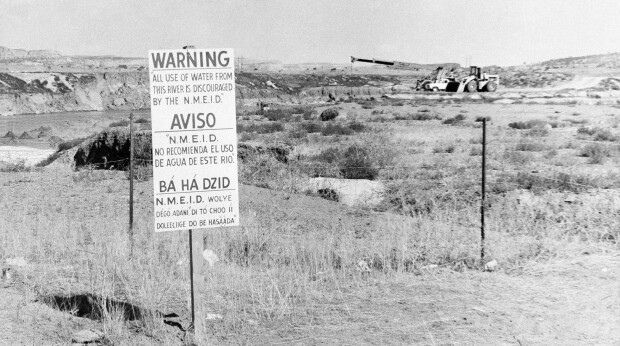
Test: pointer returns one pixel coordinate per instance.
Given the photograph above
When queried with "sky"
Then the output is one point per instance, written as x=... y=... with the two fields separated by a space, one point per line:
x=491 y=32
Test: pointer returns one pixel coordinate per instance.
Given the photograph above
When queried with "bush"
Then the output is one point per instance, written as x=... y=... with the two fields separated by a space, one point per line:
x=19 y=166
x=475 y=151
x=124 y=122
x=518 y=158
x=456 y=120
x=444 y=148
x=605 y=135
x=261 y=128
x=329 y=114
x=418 y=116
x=526 y=145
x=520 y=125
x=538 y=132
x=357 y=164
x=357 y=127
x=480 y=119
x=329 y=155
x=298 y=134
x=311 y=127
x=596 y=153
x=336 y=129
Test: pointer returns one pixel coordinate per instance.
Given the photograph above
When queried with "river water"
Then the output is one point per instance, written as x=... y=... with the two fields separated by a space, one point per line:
x=40 y=133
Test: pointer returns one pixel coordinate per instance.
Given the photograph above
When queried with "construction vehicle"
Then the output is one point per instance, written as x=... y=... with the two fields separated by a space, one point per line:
x=476 y=81
x=444 y=76
x=440 y=71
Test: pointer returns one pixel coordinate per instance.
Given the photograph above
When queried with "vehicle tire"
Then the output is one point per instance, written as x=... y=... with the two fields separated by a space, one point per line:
x=435 y=89
x=491 y=87
x=472 y=86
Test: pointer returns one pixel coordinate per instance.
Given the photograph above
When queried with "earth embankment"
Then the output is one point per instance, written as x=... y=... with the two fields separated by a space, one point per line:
x=49 y=92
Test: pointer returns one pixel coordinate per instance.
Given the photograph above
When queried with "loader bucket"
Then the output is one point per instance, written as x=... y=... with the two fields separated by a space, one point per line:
x=453 y=86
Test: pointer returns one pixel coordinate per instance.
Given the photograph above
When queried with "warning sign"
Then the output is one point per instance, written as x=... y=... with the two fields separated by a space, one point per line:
x=194 y=138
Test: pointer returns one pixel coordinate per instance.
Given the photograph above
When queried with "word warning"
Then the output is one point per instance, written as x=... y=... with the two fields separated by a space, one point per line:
x=194 y=138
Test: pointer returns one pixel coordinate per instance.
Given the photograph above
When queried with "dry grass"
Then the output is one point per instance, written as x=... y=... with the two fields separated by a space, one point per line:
x=302 y=269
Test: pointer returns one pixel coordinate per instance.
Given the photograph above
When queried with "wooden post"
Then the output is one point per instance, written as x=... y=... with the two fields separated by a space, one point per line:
x=197 y=281
x=131 y=181
x=484 y=178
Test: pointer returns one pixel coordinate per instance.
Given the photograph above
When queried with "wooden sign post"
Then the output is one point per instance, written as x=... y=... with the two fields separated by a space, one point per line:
x=194 y=131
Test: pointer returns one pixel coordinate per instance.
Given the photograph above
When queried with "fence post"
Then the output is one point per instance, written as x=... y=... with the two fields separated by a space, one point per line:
x=131 y=181
x=196 y=247
x=484 y=178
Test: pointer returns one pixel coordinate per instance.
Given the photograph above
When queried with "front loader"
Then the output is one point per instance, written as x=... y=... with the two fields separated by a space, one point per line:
x=476 y=81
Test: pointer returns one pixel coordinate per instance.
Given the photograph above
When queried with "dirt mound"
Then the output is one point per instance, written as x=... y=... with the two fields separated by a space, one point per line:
x=25 y=135
x=9 y=134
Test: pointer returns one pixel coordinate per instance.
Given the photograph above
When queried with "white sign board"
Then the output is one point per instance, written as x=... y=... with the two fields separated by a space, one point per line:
x=194 y=138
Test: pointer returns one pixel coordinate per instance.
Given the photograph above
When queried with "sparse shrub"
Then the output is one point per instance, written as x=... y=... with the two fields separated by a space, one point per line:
x=247 y=136
x=261 y=128
x=527 y=145
x=141 y=120
x=596 y=153
x=526 y=125
x=456 y=120
x=356 y=163
x=298 y=133
x=577 y=121
x=586 y=130
x=444 y=148
x=475 y=151
x=329 y=155
x=13 y=167
x=417 y=116
x=326 y=193
x=329 y=114
x=518 y=158
x=551 y=154
x=477 y=140
x=311 y=127
x=123 y=122
x=605 y=135
x=309 y=115
x=336 y=129
x=357 y=126
x=540 y=131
